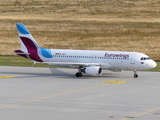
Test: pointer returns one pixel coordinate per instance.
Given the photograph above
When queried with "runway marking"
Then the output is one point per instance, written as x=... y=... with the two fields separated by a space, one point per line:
x=114 y=82
x=141 y=113
x=52 y=96
x=6 y=77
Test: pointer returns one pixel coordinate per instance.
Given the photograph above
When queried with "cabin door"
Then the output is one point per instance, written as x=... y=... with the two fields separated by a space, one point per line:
x=132 y=60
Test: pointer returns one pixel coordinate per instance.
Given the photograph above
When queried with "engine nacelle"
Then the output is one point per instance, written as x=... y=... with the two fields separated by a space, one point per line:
x=92 y=70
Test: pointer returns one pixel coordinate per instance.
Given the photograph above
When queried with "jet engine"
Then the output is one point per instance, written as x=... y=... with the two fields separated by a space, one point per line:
x=92 y=70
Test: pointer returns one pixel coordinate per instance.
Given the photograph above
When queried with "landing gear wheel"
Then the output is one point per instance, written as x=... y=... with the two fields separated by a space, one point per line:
x=135 y=73
x=135 y=76
x=78 y=74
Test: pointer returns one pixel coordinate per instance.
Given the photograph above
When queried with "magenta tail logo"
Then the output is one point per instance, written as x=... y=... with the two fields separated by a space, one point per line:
x=31 y=48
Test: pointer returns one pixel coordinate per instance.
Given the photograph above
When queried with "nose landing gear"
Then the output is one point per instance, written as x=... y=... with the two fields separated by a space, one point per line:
x=135 y=76
x=135 y=73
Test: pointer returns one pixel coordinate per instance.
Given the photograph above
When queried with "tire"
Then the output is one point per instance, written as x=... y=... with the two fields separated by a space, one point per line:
x=135 y=76
x=78 y=74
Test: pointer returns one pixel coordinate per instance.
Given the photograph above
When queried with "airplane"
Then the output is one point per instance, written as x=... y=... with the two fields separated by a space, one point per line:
x=88 y=62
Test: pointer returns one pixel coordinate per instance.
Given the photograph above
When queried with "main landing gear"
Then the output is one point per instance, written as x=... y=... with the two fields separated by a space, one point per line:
x=80 y=70
x=135 y=74
x=78 y=74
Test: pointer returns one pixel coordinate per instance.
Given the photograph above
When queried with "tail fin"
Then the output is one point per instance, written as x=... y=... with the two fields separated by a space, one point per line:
x=29 y=47
x=26 y=39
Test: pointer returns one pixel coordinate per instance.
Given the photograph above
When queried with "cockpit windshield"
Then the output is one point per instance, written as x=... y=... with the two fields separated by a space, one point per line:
x=145 y=58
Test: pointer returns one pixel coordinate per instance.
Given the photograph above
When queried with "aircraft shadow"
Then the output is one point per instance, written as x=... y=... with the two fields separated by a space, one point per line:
x=54 y=72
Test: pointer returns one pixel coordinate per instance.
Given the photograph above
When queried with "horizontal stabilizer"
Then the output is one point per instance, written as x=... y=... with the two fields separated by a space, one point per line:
x=21 y=53
x=17 y=53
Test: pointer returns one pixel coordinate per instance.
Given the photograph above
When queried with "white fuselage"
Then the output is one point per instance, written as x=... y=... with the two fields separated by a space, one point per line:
x=113 y=60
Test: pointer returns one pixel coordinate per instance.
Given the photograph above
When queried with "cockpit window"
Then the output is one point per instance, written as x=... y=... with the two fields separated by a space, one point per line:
x=145 y=58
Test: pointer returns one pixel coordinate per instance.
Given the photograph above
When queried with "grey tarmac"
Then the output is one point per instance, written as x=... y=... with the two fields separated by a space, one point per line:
x=32 y=93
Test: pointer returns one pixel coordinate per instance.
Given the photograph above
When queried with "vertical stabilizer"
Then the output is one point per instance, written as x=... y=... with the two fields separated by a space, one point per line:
x=29 y=47
x=26 y=39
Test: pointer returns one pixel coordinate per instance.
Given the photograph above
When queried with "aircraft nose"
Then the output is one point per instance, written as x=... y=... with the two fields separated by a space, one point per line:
x=154 y=64
x=150 y=64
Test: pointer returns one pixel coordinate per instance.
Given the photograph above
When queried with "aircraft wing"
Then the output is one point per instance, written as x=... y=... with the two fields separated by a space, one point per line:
x=72 y=64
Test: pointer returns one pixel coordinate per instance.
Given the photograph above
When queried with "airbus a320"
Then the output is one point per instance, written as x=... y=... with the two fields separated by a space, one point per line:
x=86 y=61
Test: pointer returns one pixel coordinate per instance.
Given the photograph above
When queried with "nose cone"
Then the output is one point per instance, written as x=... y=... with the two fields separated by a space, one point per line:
x=150 y=64
x=154 y=64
